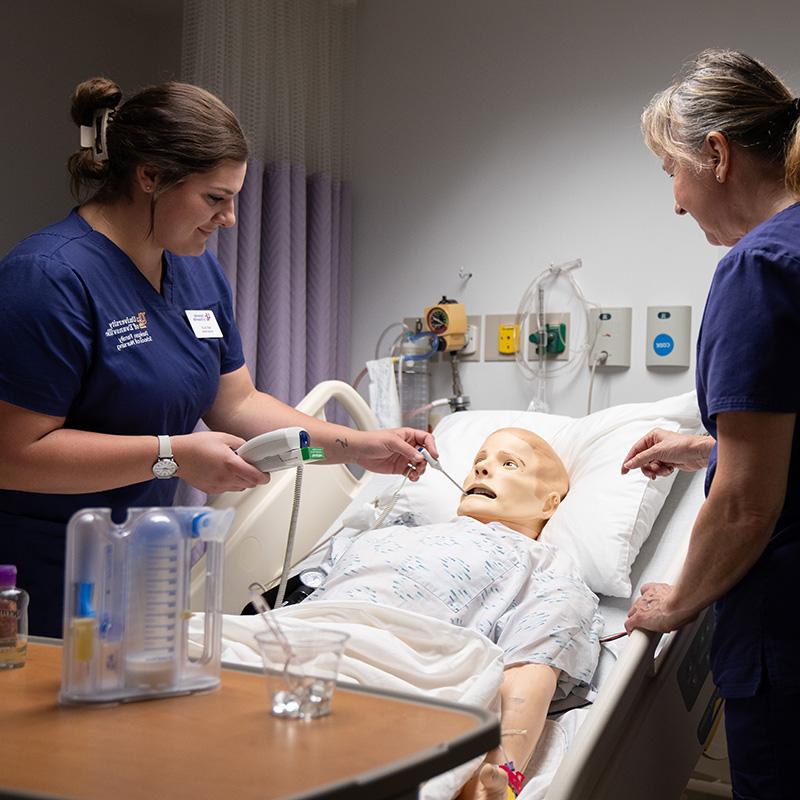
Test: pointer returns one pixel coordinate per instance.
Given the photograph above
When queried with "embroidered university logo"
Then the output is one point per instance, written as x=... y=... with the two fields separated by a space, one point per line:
x=129 y=331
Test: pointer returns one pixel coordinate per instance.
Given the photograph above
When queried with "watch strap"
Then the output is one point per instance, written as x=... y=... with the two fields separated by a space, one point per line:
x=164 y=447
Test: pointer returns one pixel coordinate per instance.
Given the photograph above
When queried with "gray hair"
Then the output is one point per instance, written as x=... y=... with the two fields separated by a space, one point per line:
x=729 y=92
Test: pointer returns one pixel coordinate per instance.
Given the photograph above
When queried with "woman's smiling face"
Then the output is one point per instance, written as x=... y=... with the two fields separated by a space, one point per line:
x=189 y=213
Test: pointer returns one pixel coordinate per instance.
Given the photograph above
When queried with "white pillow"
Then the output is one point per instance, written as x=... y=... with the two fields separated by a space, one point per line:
x=605 y=517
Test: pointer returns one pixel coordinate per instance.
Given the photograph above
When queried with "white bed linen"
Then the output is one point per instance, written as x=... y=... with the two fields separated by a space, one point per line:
x=390 y=649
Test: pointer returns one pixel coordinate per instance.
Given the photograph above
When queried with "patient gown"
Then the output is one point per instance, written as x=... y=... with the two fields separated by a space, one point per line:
x=525 y=596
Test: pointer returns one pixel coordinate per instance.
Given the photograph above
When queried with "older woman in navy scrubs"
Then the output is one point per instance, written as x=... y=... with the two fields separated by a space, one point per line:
x=118 y=337
x=728 y=135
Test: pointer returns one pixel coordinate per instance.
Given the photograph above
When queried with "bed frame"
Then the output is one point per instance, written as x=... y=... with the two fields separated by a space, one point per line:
x=655 y=711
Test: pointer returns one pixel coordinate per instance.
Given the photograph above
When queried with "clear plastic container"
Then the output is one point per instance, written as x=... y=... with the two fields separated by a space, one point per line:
x=13 y=619
x=415 y=394
x=413 y=381
x=127 y=604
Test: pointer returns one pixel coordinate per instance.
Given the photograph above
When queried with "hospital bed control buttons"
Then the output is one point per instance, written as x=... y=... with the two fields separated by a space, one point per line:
x=696 y=664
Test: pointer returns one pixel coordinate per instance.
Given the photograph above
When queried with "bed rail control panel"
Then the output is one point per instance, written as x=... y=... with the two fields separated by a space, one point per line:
x=696 y=664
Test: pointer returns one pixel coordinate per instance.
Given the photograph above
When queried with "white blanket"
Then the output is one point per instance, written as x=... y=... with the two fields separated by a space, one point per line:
x=390 y=649
x=402 y=651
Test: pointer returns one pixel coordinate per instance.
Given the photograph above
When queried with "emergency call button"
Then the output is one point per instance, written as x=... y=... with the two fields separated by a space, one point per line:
x=663 y=344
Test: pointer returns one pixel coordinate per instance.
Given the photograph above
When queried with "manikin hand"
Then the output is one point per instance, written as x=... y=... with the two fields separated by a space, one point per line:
x=489 y=783
x=654 y=610
x=659 y=452
x=391 y=451
x=207 y=461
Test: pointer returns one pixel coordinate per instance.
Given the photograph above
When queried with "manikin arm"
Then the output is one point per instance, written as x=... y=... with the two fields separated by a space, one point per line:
x=525 y=698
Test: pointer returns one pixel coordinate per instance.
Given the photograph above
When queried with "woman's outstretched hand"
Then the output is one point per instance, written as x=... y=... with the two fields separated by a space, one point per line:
x=660 y=452
x=391 y=451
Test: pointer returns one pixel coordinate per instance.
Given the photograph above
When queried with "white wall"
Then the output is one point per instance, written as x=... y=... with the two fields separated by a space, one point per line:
x=48 y=47
x=502 y=136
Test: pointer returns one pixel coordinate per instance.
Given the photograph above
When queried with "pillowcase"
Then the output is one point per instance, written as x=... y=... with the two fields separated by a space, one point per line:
x=604 y=518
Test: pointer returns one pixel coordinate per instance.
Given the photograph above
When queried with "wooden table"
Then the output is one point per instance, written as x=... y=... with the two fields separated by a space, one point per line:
x=224 y=744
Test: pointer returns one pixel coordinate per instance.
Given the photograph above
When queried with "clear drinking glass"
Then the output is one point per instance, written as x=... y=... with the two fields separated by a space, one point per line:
x=300 y=682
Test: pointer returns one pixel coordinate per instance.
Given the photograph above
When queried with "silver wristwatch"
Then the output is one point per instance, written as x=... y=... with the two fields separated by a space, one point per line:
x=165 y=465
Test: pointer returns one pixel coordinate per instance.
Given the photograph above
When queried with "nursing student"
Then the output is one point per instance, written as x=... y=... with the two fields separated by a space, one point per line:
x=728 y=136
x=105 y=365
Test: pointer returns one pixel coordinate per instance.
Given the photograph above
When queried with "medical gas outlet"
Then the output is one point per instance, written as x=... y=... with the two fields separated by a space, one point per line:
x=552 y=337
x=669 y=330
x=508 y=339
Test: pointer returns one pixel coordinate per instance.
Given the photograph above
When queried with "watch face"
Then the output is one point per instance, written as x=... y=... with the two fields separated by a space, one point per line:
x=164 y=468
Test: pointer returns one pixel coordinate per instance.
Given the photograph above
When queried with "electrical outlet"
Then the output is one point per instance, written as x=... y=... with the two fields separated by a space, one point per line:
x=558 y=329
x=491 y=337
x=472 y=349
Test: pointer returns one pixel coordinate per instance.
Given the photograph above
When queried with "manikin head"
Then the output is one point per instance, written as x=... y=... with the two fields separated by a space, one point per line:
x=516 y=479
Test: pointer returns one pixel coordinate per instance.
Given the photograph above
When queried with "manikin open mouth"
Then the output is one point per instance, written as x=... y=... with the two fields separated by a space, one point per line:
x=482 y=490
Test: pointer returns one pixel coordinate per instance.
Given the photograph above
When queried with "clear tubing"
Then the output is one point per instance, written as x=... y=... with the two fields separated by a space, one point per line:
x=553 y=273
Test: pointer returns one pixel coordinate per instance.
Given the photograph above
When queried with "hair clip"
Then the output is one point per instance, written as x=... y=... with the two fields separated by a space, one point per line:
x=94 y=135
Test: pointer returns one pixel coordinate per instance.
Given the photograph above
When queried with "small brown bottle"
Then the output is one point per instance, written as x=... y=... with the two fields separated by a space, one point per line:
x=13 y=619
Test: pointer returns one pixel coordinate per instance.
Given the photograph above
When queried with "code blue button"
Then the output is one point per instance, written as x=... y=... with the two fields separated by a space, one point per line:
x=663 y=344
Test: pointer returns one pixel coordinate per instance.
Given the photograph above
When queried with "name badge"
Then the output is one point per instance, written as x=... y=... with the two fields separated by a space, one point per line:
x=204 y=324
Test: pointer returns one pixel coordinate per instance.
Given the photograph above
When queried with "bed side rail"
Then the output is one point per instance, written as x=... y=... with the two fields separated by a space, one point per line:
x=647 y=727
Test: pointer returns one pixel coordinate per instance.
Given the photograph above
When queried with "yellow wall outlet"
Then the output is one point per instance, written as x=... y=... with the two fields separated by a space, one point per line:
x=508 y=339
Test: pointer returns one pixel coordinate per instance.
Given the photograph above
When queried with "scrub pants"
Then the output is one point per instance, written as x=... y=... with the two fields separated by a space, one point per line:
x=763 y=744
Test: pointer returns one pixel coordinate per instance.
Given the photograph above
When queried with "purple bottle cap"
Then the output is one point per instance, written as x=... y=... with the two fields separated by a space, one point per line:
x=8 y=575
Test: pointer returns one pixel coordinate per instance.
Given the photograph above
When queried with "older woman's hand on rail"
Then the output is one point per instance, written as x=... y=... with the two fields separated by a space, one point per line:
x=659 y=452
x=655 y=610
x=391 y=451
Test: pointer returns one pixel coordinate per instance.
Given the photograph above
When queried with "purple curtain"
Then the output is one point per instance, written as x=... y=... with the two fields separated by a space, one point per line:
x=288 y=260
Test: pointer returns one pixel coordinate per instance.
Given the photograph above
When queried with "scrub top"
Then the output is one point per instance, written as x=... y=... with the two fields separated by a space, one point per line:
x=84 y=335
x=747 y=361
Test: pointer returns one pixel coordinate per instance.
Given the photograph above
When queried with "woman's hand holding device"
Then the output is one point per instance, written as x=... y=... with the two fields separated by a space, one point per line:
x=207 y=461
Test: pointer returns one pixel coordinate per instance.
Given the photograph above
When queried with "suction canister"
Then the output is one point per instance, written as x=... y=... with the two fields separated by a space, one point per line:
x=126 y=605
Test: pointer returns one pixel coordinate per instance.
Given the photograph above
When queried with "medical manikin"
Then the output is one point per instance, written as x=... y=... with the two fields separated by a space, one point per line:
x=485 y=570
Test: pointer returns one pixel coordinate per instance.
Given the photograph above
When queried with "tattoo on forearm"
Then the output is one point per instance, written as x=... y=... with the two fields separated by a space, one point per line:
x=343 y=443
x=516 y=701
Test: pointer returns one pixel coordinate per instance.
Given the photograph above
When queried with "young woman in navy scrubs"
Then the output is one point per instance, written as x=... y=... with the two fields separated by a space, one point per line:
x=118 y=337
x=728 y=135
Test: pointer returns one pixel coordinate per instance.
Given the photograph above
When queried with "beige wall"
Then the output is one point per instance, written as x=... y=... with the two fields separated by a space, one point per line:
x=48 y=47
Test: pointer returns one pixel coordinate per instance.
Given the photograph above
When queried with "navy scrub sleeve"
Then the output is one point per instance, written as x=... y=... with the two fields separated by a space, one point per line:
x=86 y=337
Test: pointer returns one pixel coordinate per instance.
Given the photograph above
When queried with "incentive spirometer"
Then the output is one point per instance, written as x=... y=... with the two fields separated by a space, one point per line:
x=126 y=604
x=128 y=592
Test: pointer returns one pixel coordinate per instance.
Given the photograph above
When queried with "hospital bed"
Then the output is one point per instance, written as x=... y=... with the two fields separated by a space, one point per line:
x=655 y=705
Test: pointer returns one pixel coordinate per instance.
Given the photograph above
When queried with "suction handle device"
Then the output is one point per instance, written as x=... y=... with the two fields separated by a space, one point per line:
x=281 y=449
x=436 y=465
